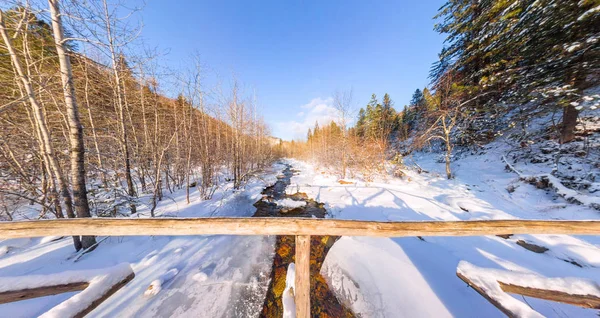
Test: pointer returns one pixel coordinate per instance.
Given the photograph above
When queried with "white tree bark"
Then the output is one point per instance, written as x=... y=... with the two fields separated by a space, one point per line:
x=41 y=124
x=123 y=125
x=78 y=177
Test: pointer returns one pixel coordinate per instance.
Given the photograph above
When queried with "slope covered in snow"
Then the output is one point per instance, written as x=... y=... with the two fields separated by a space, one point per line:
x=412 y=276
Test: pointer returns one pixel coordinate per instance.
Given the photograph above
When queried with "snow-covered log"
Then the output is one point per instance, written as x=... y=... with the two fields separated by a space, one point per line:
x=95 y=285
x=495 y=284
x=553 y=182
x=570 y=195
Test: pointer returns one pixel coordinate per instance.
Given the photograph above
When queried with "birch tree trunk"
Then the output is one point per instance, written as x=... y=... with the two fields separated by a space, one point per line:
x=41 y=124
x=123 y=139
x=93 y=127
x=80 y=200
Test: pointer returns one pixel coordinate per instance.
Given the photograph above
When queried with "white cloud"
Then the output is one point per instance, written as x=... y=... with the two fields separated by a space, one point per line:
x=317 y=110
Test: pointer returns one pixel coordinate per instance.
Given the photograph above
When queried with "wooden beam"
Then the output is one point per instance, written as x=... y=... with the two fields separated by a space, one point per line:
x=288 y=226
x=302 y=280
x=586 y=301
x=113 y=289
x=23 y=294
x=482 y=292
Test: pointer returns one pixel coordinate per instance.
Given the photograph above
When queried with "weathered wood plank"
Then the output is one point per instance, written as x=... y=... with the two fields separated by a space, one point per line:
x=586 y=301
x=302 y=281
x=482 y=292
x=289 y=226
x=105 y=296
x=23 y=294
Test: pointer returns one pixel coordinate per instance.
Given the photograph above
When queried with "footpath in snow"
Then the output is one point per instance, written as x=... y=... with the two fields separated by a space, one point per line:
x=416 y=277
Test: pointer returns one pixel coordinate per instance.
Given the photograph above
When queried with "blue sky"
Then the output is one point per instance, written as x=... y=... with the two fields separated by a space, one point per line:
x=296 y=54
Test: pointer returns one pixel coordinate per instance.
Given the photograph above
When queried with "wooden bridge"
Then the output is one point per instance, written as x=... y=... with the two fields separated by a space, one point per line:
x=301 y=228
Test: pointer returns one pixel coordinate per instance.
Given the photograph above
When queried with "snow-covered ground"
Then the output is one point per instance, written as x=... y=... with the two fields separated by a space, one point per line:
x=414 y=277
x=227 y=276
x=183 y=276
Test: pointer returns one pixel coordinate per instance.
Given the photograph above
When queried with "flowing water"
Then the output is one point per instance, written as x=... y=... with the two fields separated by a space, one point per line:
x=323 y=301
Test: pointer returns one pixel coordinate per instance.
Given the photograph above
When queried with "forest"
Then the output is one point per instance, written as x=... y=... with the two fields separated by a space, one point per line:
x=83 y=136
x=504 y=63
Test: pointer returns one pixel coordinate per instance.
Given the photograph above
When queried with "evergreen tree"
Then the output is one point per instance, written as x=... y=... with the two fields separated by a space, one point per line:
x=388 y=117
x=387 y=102
x=429 y=101
x=418 y=109
x=417 y=98
x=360 y=123
x=513 y=49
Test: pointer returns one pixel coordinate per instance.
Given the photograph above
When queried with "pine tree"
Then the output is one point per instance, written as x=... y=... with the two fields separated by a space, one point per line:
x=513 y=49
x=417 y=98
x=361 y=122
x=417 y=103
x=388 y=117
x=429 y=101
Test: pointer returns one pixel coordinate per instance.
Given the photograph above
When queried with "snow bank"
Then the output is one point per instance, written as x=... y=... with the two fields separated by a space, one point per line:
x=487 y=279
x=569 y=285
x=289 y=203
x=156 y=285
x=417 y=278
x=376 y=278
x=289 y=305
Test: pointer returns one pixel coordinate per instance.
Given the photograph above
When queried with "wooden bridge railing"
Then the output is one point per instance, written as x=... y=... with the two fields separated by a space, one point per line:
x=301 y=228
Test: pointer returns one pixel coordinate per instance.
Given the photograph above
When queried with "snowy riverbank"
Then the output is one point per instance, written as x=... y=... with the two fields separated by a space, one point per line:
x=413 y=277
x=199 y=276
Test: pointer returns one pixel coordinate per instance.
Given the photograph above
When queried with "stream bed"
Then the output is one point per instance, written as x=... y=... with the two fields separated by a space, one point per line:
x=323 y=301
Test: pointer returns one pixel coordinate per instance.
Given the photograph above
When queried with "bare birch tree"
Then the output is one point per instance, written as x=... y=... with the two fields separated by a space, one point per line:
x=78 y=172
x=342 y=101
x=44 y=133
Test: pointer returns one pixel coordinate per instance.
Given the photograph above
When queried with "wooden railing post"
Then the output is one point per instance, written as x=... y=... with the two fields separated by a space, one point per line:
x=302 y=282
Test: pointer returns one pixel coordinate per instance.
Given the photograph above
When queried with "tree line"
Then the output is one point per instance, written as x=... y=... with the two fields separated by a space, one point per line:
x=86 y=129
x=529 y=56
